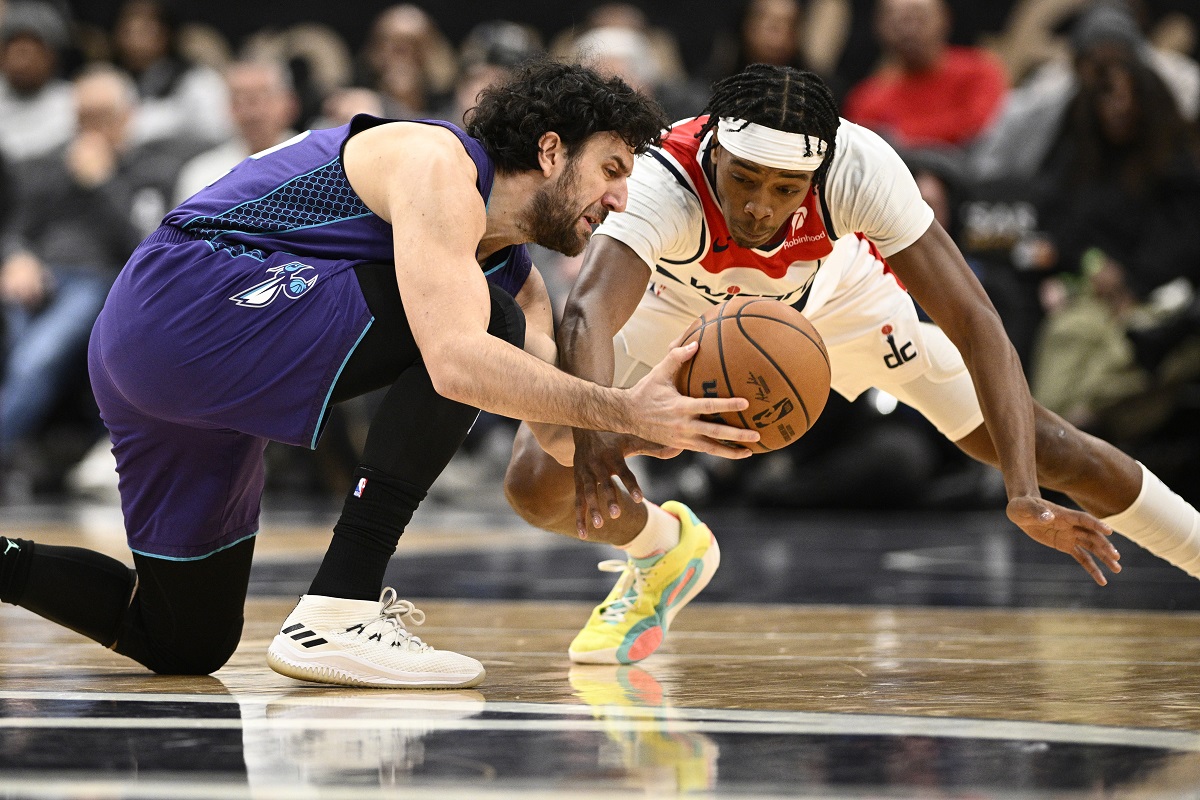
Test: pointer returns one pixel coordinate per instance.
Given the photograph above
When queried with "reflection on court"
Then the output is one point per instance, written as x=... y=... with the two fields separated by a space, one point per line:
x=762 y=700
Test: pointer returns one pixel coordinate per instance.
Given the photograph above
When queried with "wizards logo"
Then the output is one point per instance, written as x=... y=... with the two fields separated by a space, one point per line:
x=291 y=280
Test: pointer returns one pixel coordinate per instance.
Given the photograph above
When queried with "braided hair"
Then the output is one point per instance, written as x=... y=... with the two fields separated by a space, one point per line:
x=784 y=98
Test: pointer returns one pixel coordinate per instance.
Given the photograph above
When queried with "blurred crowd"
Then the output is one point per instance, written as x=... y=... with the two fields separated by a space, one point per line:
x=1057 y=142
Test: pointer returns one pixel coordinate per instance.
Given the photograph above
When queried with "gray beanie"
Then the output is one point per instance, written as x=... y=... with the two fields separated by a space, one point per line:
x=1105 y=23
x=32 y=18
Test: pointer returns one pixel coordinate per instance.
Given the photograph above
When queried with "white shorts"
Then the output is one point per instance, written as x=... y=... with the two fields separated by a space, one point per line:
x=870 y=328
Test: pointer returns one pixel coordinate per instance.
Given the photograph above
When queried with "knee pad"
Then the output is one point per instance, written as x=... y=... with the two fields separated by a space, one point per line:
x=508 y=320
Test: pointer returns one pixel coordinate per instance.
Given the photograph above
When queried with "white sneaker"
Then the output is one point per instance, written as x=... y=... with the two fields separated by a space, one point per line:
x=364 y=643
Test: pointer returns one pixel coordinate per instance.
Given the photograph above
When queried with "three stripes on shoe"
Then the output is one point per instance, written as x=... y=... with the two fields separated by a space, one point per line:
x=299 y=633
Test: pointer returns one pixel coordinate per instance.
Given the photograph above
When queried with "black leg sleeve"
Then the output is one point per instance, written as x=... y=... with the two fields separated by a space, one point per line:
x=413 y=435
x=173 y=617
x=79 y=589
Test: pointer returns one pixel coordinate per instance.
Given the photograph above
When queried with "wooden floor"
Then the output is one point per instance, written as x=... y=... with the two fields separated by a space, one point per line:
x=782 y=699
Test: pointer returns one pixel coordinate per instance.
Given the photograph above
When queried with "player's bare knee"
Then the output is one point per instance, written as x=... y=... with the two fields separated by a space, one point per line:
x=533 y=501
x=519 y=488
x=537 y=487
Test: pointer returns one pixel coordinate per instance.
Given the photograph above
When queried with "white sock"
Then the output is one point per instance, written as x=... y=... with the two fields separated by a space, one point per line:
x=660 y=534
x=1162 y=522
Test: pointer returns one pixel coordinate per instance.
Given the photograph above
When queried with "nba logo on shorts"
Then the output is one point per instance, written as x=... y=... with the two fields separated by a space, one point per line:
x=362 y=484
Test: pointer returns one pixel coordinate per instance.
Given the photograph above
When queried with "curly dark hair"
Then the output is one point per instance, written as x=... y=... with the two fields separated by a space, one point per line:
x=783 y=98
x=569 y=99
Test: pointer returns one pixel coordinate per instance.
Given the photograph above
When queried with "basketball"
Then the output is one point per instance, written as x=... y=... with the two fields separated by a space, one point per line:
x=770 y=354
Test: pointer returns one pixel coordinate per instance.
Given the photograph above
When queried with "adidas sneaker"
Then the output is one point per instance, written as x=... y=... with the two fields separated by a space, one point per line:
x=365 y=643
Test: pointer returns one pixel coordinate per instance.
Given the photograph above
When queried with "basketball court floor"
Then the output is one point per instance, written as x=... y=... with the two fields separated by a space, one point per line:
x=834 y=655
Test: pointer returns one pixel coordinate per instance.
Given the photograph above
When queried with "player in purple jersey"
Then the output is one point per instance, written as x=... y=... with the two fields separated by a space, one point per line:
x=378 y=254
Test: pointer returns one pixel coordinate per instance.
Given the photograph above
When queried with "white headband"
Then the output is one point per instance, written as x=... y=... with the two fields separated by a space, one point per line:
x=769 y=147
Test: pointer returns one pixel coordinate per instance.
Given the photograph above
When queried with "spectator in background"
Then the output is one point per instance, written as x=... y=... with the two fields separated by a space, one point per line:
x=81 y=210
x=1019 y=141
x=618 y=38
x=1126 y=169
x=409 y=62
x=36 y=111
x=178 y=99
x=619 y=51
x=1034 y=49
x=809 y=36
x=263 y=106
x=318 y=62
x=341 y=105
x=927 y=92
x=1122 y=216
x=488 y=55
x=761 y=32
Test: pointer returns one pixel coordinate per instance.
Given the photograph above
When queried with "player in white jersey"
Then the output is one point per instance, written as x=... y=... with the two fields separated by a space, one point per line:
x=771 y=194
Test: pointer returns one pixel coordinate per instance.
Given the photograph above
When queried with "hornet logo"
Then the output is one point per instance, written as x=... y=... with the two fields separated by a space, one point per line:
x=289 y=279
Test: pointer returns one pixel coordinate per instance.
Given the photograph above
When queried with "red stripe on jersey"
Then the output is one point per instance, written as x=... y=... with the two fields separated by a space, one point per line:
x=879 y=257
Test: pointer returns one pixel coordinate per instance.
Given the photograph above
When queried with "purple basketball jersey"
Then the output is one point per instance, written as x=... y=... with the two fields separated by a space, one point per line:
x=230 y=326
x=294 y=198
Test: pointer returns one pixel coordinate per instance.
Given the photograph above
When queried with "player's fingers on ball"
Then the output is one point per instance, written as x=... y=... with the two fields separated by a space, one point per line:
x=713 y=430
x=719 y=405
x=724 y=450
x=681 y=353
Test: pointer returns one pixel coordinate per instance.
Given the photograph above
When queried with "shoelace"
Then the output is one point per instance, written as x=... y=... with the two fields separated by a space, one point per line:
x=393 y=614
x=616 y=610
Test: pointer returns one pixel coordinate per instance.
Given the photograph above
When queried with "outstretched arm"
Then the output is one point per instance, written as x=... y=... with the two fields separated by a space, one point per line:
x=937 y=276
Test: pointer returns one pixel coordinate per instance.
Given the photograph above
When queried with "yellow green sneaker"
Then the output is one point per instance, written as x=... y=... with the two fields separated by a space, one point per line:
x=631 y=622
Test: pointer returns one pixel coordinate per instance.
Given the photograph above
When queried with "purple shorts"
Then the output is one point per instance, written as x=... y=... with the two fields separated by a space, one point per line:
x=199 y=357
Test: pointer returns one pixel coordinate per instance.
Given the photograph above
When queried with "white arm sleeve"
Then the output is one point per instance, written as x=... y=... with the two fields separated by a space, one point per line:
x=869 y=190
x=663 y=219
